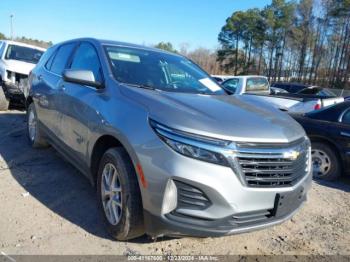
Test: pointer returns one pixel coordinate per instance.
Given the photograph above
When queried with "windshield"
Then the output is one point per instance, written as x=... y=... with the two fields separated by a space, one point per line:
x=151 y=69
x=22 y=53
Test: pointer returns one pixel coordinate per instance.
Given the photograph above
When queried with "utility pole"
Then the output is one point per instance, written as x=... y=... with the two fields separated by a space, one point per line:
x=11 y=26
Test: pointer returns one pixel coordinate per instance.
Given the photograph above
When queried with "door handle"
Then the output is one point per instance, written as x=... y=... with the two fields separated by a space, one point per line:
x=40 y=77
x=346 y=134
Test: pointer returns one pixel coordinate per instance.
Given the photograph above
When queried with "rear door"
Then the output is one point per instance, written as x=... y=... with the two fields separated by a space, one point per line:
x=46 y=83
x=77 y=101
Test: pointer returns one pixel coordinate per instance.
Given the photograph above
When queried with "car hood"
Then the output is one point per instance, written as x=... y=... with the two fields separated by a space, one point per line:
x=220 y=116
x=19 y=66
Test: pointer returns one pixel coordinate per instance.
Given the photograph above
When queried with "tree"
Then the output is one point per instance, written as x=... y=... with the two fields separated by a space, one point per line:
x=167 y=46
x=307 y=41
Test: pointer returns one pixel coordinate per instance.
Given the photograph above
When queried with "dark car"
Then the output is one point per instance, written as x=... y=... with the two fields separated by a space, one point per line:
x=329 y=132
x=303 y=89
x=290 y=87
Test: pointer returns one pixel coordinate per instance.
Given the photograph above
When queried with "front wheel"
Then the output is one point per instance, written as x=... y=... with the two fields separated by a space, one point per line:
x=325 y=162
x=119 y=195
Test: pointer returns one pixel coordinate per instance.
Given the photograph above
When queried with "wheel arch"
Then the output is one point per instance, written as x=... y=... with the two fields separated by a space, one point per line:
x=101 y=145
x=321 y=139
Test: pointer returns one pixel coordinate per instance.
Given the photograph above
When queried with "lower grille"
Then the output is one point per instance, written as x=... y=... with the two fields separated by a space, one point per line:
x=250 y=218
x=268 y=168
x=191 y=197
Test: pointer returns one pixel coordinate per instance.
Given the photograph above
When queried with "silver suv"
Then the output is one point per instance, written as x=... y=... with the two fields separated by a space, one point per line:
x=169 y=152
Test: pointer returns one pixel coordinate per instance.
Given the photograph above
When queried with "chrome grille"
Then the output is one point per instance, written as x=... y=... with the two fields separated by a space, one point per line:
x=274 y=168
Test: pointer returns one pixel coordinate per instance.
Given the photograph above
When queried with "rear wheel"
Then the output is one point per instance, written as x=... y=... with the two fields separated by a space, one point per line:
x=119 y=195
x=326 y=165
x=34 y=133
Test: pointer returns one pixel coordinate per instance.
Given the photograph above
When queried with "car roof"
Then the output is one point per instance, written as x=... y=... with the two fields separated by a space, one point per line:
x=10 y=42
x=119 y=43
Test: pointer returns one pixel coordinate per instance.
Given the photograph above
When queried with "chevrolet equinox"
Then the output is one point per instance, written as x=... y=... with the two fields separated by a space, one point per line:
x=169 y=152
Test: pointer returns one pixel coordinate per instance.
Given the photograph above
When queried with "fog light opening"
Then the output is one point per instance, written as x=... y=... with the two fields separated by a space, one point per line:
x=170 y=197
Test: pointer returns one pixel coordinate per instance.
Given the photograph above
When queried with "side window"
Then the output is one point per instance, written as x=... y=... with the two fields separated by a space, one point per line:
x=231 y=85
x=346 y=117
x=86 y=58
x=49 y=62
x=60 y=59
x=257 y=84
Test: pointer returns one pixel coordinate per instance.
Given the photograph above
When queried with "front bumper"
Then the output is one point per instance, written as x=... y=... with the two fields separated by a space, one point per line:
x=175 y=224
x=232 y=203
x=14 y=92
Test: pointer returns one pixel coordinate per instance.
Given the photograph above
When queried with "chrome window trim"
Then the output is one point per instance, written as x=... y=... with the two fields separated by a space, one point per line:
x=340 y=119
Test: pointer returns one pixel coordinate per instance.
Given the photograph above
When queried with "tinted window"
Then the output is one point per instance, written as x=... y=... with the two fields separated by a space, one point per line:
x=86 y=58
x=316 y=91
x=231 y=85
x=218 y=79
x=257 y=84
x=140 y=67
x=60 y=60
x=296 y=88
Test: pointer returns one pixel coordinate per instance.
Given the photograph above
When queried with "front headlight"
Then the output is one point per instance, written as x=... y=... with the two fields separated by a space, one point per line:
x=190 y=145
x=11 y=76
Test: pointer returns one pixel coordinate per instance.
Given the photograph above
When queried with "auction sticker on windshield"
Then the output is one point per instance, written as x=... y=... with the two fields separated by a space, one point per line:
x=210 y=84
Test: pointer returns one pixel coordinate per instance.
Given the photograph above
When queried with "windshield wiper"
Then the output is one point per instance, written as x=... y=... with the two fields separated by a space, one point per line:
x=144 y=86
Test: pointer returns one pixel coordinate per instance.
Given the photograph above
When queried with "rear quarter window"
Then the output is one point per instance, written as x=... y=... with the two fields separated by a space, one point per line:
x=257 y=84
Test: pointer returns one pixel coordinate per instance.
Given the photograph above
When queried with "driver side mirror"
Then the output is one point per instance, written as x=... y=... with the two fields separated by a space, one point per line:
x=82 y=77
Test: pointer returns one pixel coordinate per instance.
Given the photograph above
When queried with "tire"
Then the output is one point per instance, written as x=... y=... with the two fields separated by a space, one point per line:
x=128 y=216
x=4 y=103
x=325 y=162
x=35 y=136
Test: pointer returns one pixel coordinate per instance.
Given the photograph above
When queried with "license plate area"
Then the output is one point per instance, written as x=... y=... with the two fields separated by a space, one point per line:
x=286 y=203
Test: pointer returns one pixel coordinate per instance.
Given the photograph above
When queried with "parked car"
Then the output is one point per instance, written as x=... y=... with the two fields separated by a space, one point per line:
x=16 y=61
x=168 y=150
x=329 y=131
x=293 y=88
x=293 y=103
x=276 y=90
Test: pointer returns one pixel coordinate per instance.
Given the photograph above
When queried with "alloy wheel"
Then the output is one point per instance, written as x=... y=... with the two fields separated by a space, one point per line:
x=31 y=125
x=111 y=192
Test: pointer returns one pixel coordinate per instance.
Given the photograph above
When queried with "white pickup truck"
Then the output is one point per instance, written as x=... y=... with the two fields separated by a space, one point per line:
x=259 y=87
x=16 y=61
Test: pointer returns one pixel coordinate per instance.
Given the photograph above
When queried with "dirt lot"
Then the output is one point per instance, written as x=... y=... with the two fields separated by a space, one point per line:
x=47 y=207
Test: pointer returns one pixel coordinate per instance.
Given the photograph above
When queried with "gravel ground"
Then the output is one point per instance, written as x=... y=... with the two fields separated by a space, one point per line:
x=47 y=207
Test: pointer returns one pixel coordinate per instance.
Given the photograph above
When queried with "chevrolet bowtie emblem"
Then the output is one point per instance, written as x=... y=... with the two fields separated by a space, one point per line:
x=293 y=155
